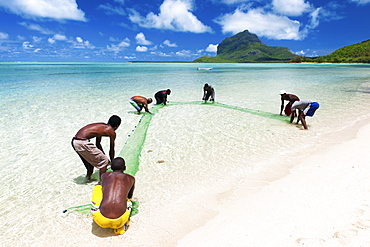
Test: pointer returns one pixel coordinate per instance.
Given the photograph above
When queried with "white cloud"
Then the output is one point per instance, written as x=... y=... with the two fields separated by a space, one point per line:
x=36 y=39
x=26 y=45
x=229 y=2
x=261 y=23
x=129 y=57
x=141 y=48
x=184 y=53
x=306 y=53
x=120 y=1
x=162 y=54
x=154 y=48
x=113 y=39
x=174 y=15
x=117 y=48
x=291 y=7
x=81 y=44
x=36 y=27
x=314 y=18
x=111 y=10
x=141 y=40
x=4 y=35
x=57 y=37
x=54 y=9
x=169 y=44
x=212 y=48
x=361 y=2
x=51 y=40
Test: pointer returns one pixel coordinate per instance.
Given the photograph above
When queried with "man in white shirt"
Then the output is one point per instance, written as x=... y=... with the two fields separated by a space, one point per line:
x=305 y=108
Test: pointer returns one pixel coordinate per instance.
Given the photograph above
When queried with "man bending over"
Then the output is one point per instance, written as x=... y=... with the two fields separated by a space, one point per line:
x=140 y=102
x=93 y=155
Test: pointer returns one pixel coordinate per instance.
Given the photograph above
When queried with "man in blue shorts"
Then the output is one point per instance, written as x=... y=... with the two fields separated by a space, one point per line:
x=140 y=102
x=305 y=108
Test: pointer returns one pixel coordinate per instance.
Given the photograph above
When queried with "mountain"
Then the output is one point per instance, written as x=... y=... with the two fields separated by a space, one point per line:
x=246 y=47
x=356 y=53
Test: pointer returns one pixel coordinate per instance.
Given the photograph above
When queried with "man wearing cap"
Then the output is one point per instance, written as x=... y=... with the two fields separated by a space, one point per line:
x=289 y=97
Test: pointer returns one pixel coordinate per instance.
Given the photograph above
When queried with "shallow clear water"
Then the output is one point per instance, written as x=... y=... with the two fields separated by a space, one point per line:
x=188 y=147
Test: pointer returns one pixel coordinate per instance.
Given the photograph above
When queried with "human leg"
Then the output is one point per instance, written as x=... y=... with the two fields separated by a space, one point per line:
x=91 y=156
x=302 y=117
x=88 y=166
x=159 y=100
x=135 y=105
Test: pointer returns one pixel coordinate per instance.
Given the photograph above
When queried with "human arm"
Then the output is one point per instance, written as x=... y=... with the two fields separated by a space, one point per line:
x=131 y=192
x=98 y=143
x=146 y=108
x=292 y=116
x=282 y=106
x=112 y=139
x=303 y=120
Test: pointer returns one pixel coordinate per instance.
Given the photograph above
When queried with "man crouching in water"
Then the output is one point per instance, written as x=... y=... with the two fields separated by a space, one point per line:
x=111 y=204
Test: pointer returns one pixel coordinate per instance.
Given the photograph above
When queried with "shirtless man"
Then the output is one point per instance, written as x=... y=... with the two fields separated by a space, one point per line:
x=111 y=200
x=289 y=97
x=93 y=155
x=140 y=102
x=208 y=93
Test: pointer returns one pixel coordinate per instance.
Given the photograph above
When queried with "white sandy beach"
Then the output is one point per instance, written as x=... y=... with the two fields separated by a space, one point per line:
x=323 y=201
x=318 y=198
x=208 y=176
x=321 y=198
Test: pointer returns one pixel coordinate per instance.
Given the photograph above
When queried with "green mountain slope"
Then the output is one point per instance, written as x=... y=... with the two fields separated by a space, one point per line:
x=247 y=47
x=356 y=53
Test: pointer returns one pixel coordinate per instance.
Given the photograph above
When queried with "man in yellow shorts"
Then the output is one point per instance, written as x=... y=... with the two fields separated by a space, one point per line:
x=111 y=204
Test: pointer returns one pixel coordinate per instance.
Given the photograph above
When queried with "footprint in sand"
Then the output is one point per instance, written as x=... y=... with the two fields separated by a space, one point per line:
x=344 y=234
x=310 y=242
x=365 y=224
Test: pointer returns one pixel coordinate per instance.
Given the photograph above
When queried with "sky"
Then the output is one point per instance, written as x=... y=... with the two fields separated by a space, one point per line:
x=172 y=30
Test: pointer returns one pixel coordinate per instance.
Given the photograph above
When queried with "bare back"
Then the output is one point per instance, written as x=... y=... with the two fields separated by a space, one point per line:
x=140 y=99
x=289 y=97
x=117 y=187
x=96 y=130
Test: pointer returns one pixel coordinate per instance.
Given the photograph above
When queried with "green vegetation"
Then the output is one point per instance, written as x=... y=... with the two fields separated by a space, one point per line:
x=208 y=59
x=246 y=47
x=356 y=53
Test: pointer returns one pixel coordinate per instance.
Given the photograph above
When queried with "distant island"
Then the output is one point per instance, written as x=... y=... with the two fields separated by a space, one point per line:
x=246 y=47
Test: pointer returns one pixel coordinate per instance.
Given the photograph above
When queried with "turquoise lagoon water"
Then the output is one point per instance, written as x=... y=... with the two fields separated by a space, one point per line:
x=188 y=147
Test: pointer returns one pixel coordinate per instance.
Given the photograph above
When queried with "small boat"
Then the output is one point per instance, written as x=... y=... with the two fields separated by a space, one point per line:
x=205 y=68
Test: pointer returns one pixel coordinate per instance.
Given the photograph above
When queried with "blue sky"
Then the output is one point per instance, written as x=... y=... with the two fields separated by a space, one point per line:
x=172 y=30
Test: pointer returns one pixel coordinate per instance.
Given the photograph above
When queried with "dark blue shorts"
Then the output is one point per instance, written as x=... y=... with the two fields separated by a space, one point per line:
x=313 y=107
